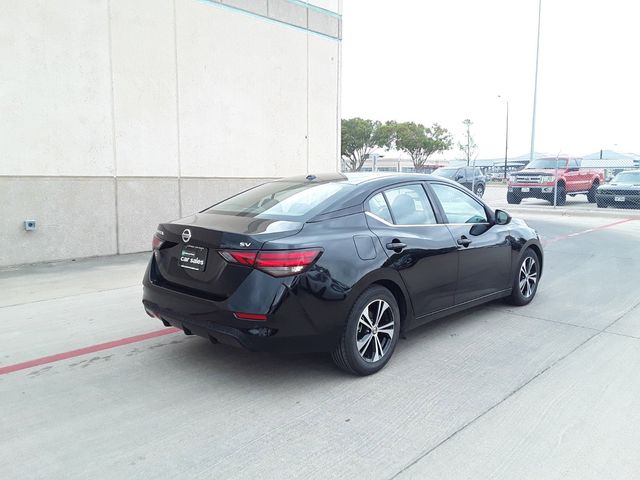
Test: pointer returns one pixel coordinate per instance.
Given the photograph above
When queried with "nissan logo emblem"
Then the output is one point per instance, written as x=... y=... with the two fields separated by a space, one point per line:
x=186 y=235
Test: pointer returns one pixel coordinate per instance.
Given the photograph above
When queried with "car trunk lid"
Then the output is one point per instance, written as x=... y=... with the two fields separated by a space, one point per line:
x=188 y=258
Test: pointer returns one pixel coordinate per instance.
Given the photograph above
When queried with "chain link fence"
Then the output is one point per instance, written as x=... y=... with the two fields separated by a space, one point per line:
x=565 y=181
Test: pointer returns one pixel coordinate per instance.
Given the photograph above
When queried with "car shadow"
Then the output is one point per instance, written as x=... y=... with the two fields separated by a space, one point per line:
x=224 y=363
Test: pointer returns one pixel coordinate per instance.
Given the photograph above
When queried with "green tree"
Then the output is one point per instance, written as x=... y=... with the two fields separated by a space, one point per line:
x=468 y=145
x=420 y=142
x=359 y=138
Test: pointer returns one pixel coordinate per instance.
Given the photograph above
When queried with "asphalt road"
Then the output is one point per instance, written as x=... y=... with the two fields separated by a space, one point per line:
x=548 y=391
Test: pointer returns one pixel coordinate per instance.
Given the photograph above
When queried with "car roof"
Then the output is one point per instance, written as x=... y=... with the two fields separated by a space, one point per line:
x=356 y=178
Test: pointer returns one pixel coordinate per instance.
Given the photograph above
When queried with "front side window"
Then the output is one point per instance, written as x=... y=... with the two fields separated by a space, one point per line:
x=458 y=206
x=410 y=206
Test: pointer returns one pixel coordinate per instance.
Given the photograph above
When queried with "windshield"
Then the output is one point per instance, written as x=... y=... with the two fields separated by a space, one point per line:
x=446 y=172
x=627 y=177
x=282 y=200
x=547 y=163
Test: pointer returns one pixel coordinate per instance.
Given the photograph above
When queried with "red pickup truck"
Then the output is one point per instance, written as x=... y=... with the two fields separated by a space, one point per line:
x=540 y=177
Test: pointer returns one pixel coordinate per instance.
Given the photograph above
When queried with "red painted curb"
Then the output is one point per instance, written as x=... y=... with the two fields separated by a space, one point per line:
x=83 y=351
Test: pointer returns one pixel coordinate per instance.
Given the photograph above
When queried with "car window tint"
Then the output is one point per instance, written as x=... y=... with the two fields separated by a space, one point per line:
x=458 y=206
x=410 y=206
x=378 y=206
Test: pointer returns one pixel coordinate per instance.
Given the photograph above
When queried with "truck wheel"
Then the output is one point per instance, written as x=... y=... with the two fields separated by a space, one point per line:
x=601 y=204
x=561 y=197
x=512 y=198
x=591 y=196
x=479 y=190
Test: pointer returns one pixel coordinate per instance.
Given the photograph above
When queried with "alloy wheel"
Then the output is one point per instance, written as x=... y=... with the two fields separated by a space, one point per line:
x=528 y=277
x=376 y=327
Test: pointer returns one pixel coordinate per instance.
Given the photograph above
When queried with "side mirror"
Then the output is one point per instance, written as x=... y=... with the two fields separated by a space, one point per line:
x=502 y=217
x=459 y=177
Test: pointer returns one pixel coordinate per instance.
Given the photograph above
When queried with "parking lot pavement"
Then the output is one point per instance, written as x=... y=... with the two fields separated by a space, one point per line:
x=544 y=391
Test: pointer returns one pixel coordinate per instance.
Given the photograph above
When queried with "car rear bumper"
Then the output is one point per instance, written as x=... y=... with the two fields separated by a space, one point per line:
x=288 y=328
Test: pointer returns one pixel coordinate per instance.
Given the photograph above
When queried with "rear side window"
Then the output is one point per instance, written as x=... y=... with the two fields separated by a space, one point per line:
x=283 y=200
x=410 y=206
x=378 y=206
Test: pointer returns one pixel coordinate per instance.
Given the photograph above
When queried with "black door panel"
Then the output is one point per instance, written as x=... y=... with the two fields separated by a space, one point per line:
x=420 y=249
x=428 y=263
x=485 y=263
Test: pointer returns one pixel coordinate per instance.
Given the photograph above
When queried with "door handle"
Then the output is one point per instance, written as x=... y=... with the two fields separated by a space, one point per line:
x=464 y=241
x=396 y=246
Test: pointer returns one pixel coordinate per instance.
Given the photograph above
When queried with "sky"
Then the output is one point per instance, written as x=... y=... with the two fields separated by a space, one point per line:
x=446 y=60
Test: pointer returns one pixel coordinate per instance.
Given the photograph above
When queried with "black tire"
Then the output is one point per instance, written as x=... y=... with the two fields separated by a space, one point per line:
x=520 y=294
x=513 y=199
x=591 y=195
x=354 y=354
x=479 y=190
x=561 y=196
x=601 y=204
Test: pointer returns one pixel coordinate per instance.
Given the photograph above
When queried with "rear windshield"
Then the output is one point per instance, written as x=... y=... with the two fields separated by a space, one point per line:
x=547 y=163
x=283 y=200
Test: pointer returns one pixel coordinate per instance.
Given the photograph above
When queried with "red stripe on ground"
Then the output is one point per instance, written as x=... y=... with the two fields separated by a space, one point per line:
x=83 y=351
x=589 y=230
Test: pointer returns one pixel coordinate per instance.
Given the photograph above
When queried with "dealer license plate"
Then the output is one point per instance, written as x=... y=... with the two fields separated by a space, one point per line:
x=193 y=257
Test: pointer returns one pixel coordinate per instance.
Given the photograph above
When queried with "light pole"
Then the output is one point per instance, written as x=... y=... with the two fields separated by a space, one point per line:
x=535 y=86
x=506 y=137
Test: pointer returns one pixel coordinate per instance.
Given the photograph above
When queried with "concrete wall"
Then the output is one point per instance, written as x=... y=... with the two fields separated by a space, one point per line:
x=117 y=115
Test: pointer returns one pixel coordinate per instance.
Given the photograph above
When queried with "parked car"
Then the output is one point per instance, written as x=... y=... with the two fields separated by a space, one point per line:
x=465 y=177
x=540 y=178
x=337 y=263
x=624 y=190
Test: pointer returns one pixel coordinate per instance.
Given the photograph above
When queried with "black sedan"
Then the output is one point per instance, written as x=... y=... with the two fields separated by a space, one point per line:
x=337 y=263
x=623 y=190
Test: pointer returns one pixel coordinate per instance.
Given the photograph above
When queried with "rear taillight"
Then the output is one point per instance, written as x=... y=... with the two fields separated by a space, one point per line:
x=279 y=263
x=156 y=242
x=250 y=316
